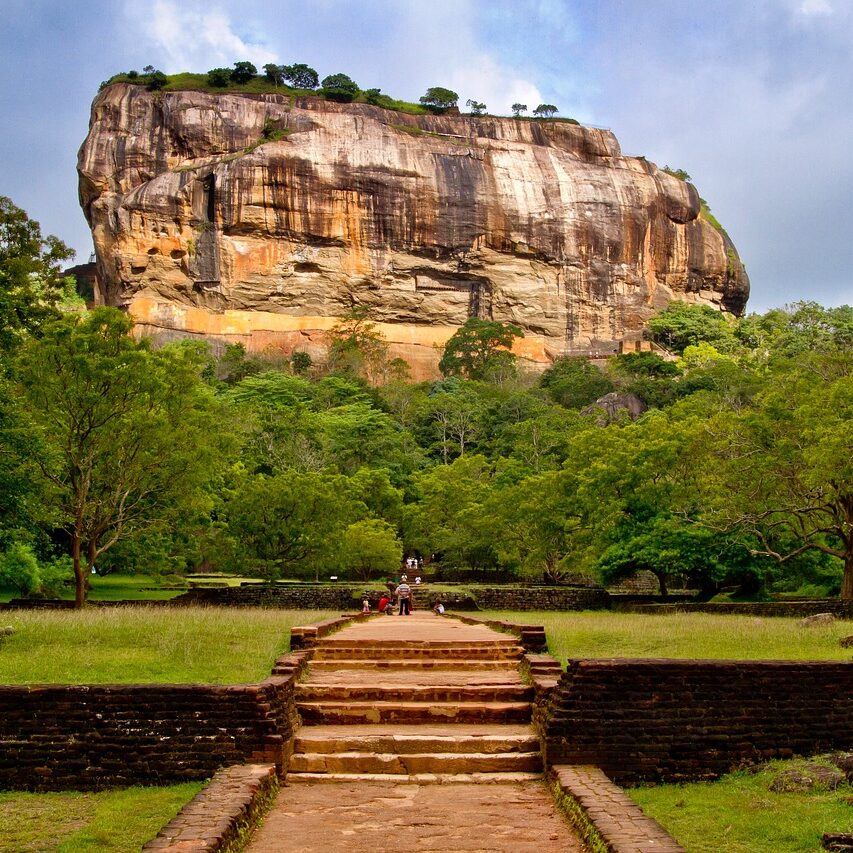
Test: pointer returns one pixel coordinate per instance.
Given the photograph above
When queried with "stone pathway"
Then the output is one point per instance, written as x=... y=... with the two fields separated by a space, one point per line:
x=417 y=737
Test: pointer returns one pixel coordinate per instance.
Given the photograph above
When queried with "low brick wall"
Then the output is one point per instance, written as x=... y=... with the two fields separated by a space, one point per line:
x=541 y=598
x=531 y=637
x=220 y=817
x=605 y=816
x=680 y=719
x=344 y=597
x=94 y=736
x=791 y=609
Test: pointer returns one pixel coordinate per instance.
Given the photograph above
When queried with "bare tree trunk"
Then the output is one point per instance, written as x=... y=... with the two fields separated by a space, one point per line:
x=847 y=580
x=79 y=577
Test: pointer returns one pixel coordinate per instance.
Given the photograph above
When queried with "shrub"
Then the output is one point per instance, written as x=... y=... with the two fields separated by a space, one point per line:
x=20 y=568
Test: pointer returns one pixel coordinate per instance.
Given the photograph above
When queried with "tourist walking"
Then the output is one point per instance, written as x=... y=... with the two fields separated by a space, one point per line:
x=404 y=596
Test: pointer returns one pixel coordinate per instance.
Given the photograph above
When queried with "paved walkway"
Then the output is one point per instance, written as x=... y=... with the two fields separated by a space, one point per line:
x=374 y=817
x=418 y=738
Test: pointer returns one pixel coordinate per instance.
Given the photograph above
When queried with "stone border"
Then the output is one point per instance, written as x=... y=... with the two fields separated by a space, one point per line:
x=532 y=637
x=220 y=816
x=605 y=816
x=306 y=636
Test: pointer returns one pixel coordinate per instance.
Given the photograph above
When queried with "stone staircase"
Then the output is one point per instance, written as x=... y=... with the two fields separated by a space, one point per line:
x=397 y=700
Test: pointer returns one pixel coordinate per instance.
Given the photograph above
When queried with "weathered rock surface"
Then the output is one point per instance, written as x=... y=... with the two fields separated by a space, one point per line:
x=261 y=220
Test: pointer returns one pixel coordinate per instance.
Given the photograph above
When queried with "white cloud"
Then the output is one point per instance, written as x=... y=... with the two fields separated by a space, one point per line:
x=495 y=85
x=189 y=36
x=815 y=7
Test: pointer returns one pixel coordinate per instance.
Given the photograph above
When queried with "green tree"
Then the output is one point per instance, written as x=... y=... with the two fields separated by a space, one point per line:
x=438 y=99
x=680 y=325
x=274 y=73
x=156 y=81
x=301 y=76
x=541 y=526
x=574 y=382
x=243 y=72
x=676 y=173
x=475 y=345
x=357 y=347
x=31 y=283
x=477 y=107
x=219 y=78
x=339 y=87
x=292 y=521
x=518 y=109
x=371 y=549
x=545 y=110
x=783 y=468
x=129 y=433
x=449 y=518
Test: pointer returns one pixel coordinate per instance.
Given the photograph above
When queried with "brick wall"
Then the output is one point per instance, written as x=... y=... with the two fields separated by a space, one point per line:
x=791 y=609
x=346 y=597
x=678 y=719
x=94 y=736
x=541 y=598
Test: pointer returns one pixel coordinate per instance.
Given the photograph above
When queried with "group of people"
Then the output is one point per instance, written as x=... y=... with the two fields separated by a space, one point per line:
x=405 y=600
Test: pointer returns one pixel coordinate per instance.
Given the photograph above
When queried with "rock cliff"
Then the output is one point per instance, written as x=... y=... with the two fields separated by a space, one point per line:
x=264 y=218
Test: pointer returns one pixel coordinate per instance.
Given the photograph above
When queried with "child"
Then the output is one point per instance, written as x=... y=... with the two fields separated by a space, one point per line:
x=365 y=606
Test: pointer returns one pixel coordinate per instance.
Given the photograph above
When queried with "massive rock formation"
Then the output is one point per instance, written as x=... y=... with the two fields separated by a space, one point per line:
x=264 y=218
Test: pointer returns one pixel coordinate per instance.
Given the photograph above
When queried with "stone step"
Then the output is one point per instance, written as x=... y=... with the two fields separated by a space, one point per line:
x=507 y=692
x=498 y=642
x=414 y=763
x=402 y=652
x=417 y=778
x=413 y=712
x=406 y=740
x=415 y=664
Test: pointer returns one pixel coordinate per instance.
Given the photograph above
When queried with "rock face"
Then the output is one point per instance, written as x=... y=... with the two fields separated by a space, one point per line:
x=263 y=219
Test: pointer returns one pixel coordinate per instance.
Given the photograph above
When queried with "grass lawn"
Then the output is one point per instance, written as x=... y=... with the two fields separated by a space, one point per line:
x=739 y=814
x=599 y=634
x=118 y=821
x=146 y=644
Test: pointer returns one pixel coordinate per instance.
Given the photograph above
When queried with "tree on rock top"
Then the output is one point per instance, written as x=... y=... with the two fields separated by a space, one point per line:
x=243 y=72
x=339 y=87
x=219 y=78
x=545 y=110
x=439 y=100
x=302 y=76
x=476 y=346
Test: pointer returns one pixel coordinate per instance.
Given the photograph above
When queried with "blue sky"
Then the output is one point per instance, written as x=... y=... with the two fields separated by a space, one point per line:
x=751 y=97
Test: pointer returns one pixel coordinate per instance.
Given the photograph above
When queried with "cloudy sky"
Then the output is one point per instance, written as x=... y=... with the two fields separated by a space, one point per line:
x=751 y=97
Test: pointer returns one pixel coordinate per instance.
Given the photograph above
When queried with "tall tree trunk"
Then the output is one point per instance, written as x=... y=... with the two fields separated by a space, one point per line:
x=847 y=580
x=79 y=577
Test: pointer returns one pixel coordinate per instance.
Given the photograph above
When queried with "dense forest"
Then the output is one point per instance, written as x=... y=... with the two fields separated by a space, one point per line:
x=724 y=459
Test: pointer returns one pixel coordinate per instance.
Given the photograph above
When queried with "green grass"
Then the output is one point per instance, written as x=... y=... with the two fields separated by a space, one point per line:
x=118 y=821
x=131 y=645
x=599 y=634
x=739 y=814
